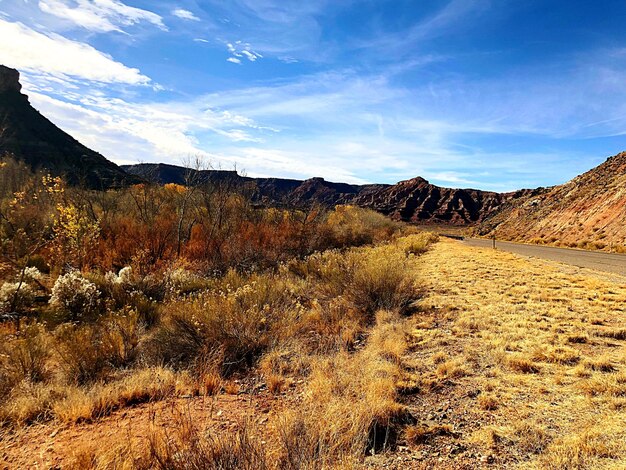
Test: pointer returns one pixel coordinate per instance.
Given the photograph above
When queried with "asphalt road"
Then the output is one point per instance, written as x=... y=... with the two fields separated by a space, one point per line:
x=601 y=261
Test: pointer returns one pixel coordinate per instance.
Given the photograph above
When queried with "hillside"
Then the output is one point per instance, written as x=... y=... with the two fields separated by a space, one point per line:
x=417 y=200
x=414 y=200
x=587 y=212
x=31 y=137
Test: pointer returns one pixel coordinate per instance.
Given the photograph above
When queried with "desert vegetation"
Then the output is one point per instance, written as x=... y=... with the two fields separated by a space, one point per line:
x=290 y=338
x=156 y=293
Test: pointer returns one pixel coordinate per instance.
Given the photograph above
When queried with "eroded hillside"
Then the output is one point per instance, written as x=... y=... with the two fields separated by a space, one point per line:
x=586 y=212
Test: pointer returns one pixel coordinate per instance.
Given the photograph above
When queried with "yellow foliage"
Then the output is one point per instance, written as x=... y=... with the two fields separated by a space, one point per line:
x=176 y=188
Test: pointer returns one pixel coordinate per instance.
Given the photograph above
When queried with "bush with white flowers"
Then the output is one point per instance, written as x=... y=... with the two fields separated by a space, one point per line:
x=123 y=278
x=31 y=274
x=178 y=278
x=74 y=294
x=25 y=296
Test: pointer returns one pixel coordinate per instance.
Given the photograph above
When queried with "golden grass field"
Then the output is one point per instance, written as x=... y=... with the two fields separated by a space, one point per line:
x=527 y=357
x=502 y=362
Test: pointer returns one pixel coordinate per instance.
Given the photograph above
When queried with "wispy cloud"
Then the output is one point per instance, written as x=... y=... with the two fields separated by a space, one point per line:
x=453 y=18
x=100 y=15
x=239 y=50
x=382 y=101
x=54 y=55
x=185 y=14
x=126 y=130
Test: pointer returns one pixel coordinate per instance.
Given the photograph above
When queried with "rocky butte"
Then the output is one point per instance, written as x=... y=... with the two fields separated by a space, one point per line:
x=29 y=136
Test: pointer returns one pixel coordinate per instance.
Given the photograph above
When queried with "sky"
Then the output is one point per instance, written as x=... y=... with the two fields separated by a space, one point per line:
x=489 y=94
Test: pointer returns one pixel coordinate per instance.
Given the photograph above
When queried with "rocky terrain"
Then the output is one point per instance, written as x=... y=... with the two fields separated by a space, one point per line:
x=417 y=200
x=587 y=212
x=31 y=137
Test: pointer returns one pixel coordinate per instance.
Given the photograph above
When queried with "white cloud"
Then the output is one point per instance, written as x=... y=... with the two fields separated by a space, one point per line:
x=201 y=40
x=234 y=60
x=54 y=55
x=100 y=15
x=240 y=49
x=185 y=14
x=222 y=128
x=127 y=131
x=251 y=56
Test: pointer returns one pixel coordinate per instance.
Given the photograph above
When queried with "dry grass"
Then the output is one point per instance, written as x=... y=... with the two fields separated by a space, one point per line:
x=420 y=434
x=351 y=403
x=614 y=333
x=488 y=402
x=542 y=341
x=585 y=449
x=180 y=445
x=71 y=404
x=519 y=361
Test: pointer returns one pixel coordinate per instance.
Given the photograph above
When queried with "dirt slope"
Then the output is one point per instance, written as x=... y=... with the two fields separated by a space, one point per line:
x=586 y=212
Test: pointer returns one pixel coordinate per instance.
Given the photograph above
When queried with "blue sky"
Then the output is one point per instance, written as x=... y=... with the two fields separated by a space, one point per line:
x=491 y=94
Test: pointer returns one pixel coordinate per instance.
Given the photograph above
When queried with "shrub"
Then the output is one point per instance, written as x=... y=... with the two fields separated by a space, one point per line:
x=39 y=263
x=75 y=295
x=90 y=352
x=24 y=357
x=419 y=243
x=123 y=278
x=239 y=321
x=370 y=279
x=354 y=226
x=15 y=294
x=126 y=292
x=32 y=273
x=180 y=280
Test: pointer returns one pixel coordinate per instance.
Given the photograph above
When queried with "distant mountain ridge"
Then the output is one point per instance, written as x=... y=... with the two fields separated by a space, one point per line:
x=414 y=200
x=29 y=136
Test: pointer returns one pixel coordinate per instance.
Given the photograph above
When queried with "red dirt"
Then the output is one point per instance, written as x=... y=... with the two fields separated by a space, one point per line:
x=54 y=446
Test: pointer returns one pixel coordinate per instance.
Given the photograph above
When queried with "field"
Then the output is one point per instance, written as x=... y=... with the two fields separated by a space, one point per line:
x=463 y=358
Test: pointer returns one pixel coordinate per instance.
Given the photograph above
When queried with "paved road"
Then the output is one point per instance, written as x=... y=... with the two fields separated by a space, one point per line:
x=609 y=262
